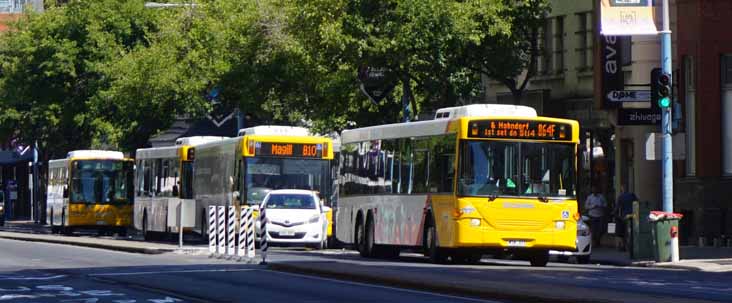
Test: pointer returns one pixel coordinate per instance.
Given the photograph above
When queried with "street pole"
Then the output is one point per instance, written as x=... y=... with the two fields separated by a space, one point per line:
x=667 y=157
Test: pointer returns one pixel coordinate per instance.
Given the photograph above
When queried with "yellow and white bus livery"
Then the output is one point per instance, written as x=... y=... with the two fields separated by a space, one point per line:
x=477 y=179
x=90 y=189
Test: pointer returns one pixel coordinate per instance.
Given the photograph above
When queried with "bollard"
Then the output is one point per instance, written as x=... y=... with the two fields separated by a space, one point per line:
x=249 y=214
x=231 y=232
x=263 y=233
x=242 y=247
x=211 y=230
x=222 y=230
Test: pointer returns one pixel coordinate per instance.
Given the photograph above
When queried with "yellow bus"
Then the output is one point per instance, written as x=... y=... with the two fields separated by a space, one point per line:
x=477 y=179
x=242 y=170
x=163 y=175
x=90 y=189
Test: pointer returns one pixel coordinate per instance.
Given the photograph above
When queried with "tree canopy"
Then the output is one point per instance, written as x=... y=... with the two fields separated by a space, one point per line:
x=112 y=73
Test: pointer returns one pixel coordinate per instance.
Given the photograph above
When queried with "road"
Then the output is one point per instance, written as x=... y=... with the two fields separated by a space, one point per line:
x=40 y=272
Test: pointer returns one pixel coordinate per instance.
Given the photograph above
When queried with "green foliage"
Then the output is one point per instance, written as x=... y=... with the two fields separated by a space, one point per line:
x=111 y=73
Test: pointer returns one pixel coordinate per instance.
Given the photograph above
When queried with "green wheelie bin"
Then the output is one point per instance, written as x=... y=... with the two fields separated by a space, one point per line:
x=665 y=229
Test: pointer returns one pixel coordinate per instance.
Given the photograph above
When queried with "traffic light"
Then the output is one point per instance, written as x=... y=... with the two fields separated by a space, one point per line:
x=660 y=88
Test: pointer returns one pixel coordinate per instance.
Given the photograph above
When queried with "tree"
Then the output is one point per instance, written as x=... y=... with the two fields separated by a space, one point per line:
x=510 y=57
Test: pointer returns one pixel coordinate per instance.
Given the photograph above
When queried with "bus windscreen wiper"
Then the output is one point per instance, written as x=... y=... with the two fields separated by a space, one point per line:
x=542 y=198
x=492 y=197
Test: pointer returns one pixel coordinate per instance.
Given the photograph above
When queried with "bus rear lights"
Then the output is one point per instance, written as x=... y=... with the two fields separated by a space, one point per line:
x=475 y=222
x=559 y=225
x=325 y=149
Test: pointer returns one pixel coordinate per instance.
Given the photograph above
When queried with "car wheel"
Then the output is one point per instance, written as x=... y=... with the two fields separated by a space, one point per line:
x=539 y=259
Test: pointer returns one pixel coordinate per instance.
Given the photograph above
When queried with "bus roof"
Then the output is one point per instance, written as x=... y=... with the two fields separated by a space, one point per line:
x=196 y=140
x=95 y=154
x=485 y=110
x=157 y=152
x=396 y=130
x=275 y=130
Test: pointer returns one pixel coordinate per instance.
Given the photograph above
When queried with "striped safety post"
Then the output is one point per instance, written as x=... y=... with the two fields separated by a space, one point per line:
x=211 y=230
x=222 y=229
x=242 y=247
x=249 y=214
x=263 y=233
x=231 y=232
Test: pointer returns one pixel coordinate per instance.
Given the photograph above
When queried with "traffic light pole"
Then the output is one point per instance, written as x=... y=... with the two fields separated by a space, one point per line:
x=667 y=152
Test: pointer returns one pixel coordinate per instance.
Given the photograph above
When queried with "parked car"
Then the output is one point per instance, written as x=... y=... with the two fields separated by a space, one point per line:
x=295 y=217
x=584 y=244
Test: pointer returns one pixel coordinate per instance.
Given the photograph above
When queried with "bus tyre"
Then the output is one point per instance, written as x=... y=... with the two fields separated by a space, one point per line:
x=360 y=239
x=145 y=233
x=539 y=259
x=369 y=237
x=432 y=251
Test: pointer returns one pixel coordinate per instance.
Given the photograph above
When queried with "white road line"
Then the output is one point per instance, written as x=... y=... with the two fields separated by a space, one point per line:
x=32 y=278
x=168 y=272
x=382 y=287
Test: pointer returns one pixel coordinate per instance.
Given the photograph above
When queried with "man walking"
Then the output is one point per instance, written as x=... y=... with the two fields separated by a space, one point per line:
x=595 y=206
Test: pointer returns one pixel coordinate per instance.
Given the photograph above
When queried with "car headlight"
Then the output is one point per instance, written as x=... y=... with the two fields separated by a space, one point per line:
x=314 y=219
x=582 y=229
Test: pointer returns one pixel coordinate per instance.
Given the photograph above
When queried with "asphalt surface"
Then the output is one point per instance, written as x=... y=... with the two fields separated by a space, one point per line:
x=40 y=272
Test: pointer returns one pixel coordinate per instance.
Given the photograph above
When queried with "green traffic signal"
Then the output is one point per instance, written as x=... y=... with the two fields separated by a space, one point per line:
x=664 y=102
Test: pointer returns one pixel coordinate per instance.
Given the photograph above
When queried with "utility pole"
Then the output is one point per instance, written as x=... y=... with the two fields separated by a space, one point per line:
x=667 y=183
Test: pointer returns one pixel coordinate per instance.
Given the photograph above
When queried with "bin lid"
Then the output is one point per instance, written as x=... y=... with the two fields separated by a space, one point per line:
x=658 y=215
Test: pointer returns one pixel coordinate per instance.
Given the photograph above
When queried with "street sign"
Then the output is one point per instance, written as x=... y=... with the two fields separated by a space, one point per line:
x=376 y=82
x=629 y=95
x=627 y=18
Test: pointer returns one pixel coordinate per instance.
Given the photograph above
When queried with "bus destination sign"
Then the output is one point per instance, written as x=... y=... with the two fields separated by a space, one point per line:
x=520 y=129
x=295 y=150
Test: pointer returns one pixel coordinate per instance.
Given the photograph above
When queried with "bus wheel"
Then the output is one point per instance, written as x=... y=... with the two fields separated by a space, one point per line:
x=145 y=233
x=539 y=259
x=360 y=239
x=432 y=251
x=369 y=245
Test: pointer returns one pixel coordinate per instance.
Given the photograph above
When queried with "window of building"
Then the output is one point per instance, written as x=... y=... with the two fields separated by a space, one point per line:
x=558 y=49
x=726 y=70
x=544 y=59
x=584 y=41
x=690 y=109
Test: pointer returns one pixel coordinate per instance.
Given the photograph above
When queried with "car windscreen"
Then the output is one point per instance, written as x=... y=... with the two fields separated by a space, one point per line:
x=290 y=201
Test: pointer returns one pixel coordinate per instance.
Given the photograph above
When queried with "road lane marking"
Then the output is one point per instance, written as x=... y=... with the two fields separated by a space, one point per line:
x=32 y=278
x=413 y=291
x=168 y=272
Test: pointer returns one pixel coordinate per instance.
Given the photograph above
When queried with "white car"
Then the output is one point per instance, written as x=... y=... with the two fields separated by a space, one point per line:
x=584 y=244
x=295 y=217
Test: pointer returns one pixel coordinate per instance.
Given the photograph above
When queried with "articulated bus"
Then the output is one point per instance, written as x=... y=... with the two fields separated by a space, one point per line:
x=163 y=175
x=477 y=179
x=242 y=170
x=90 y=189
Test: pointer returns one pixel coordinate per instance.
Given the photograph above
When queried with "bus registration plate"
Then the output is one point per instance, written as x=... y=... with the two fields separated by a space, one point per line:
x=517 y=243
x=101 y=223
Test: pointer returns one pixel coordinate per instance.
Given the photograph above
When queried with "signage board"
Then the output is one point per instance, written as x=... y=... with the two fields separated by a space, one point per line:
x=520 y=129
x=612 y=68
x=295 y=150
x=629 y=96
x=376 y=82
x=639 y=116
x=627 y=17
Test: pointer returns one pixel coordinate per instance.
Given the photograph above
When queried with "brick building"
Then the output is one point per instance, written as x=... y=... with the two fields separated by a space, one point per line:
x=703 y=186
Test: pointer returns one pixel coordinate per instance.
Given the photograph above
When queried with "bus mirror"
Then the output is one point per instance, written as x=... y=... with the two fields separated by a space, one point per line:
x=66 y=192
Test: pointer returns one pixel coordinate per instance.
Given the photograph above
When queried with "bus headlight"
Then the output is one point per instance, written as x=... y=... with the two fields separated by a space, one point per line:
x=474 y=222
x=559 y=225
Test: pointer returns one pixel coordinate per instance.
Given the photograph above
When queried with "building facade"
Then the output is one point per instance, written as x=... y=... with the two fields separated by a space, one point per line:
x=703 y=187
x=572 y=83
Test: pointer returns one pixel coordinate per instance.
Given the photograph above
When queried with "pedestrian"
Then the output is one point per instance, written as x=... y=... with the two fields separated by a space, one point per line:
x=595 y=206
x=623 y=208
